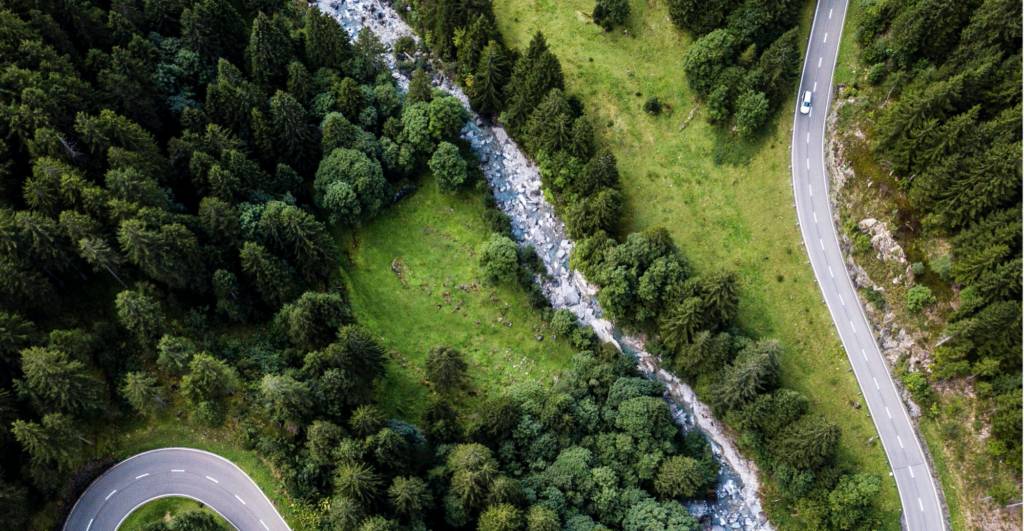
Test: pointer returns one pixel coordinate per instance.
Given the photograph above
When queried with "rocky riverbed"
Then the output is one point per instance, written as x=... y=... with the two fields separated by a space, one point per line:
x=516 y=184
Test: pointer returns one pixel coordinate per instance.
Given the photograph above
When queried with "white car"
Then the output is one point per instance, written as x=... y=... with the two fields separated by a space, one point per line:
x=805 y=107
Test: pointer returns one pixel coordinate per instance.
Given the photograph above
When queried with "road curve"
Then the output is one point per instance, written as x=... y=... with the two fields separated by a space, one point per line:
x=182 y=472
x=918 y=492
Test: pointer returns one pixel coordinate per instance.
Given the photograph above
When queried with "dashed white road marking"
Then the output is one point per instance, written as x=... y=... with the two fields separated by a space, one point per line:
x=808 y=137
x=825 y=39
x=819 y=62
x=142 y=476
x=822 y=244
x=265 y=526
x=90 y=525
x=211 y=479
x=830 y=273
x=815 y=87
x=853 y=327
x=178 y=470
x=921 y=505
x=810 y=190
x=111 y=494
x=808 y=164
x=911 y=469
x=887 y=411
x=865 y=354
x=841 y=301
x=829 y=13
x=240 y=499
x=900 y=441
x=876 y=382
x=815 y=216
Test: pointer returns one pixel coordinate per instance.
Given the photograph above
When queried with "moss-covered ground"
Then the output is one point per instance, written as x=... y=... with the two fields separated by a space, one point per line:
x=727 y=203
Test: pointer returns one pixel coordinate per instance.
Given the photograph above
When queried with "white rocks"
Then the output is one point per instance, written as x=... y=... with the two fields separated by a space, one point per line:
x=883 y=241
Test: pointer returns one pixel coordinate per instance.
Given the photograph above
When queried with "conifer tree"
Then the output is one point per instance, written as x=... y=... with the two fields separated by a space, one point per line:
x=270 y=51
x=489 y=80
x=327 y=43
x=268 y=273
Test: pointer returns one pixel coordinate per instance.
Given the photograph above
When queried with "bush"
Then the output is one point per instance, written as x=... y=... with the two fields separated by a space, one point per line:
x=751 y=112
x=500 y=259
x=610 y=13
x=918 y=297
x=861 y=243
x=943 y=265
x=652 y=106
x=877 y=73
x=405 y=44
x=918 y=268
x=498 y=222
x=874 y=297
x=208 y=414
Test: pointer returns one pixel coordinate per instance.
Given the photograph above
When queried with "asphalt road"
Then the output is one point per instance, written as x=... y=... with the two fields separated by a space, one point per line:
x=918 y=492
x=181 y=472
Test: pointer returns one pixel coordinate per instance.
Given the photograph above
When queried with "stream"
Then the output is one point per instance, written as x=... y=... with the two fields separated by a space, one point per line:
x=515 y=182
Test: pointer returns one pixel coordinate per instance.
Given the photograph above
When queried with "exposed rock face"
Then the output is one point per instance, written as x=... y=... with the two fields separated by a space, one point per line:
x=515 y=182
x=883 y=241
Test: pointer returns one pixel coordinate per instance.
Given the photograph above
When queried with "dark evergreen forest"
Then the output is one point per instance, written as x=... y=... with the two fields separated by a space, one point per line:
x=951 y=133
x=170 y=171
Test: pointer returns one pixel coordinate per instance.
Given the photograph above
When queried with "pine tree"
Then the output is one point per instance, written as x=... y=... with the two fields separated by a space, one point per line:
x=287 y=398
x=420 y=89
x=141 y=315
x=97 y=253
x=213 y=29
x=141 y=391
x=755 y=371
x=269 y=274
x=534 y=75
x=60 y=383
x=490 y=79
x=51 y=441
x=293 y=135
x=270 y=51
x=446 y=368
x=327 y=43
x=209 y=379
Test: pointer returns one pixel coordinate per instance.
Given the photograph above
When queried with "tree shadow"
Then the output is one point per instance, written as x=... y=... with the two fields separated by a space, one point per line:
x=731 y=149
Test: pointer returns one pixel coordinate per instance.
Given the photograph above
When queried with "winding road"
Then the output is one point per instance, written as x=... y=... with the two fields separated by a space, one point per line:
x=179 y=472
x=918 y=492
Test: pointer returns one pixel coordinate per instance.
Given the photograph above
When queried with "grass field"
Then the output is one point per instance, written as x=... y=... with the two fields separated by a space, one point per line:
x=415 y=279
x=163 y=510
x=727 y=203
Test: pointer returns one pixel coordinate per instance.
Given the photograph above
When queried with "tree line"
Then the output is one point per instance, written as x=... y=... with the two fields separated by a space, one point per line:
x=952 y=136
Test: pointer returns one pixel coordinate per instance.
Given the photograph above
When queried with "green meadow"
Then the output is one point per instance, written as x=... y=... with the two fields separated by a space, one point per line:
x=416 y=283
